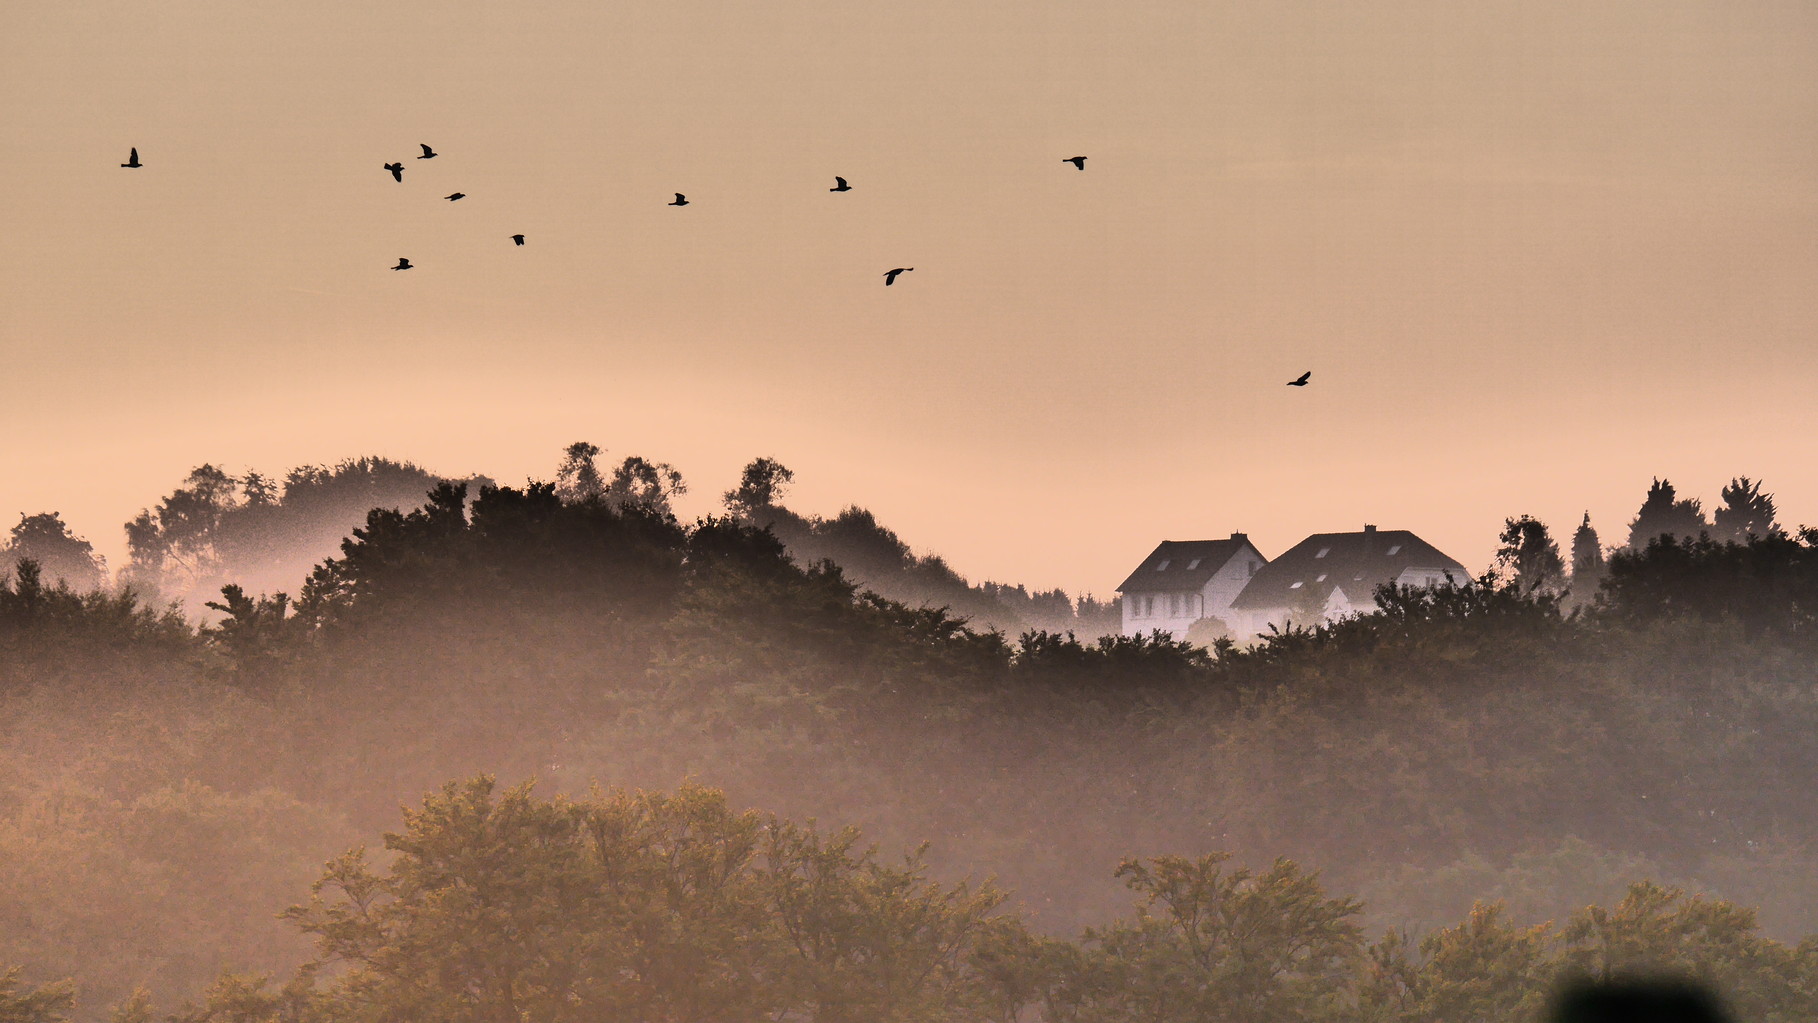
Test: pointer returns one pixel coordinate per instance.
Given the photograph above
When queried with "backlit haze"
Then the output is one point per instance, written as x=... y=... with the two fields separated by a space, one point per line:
x=1534 y=255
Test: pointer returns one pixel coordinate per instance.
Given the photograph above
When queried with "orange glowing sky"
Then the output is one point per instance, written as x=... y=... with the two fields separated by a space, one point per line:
x=1535 y=253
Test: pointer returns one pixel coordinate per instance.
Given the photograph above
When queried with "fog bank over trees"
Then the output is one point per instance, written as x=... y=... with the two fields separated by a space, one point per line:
x=167 y=789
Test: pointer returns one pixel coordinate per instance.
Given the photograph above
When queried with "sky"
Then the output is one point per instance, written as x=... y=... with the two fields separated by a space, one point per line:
x=1533 y=253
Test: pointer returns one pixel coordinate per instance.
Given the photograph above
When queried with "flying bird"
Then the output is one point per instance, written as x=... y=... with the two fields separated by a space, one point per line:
x=890 y=278
x=680 y=200
x=397 y=170
x=843 y=187
x=1077 y=161
x=428 y=153
x=1300 y=381
x=403 y=264
x=457 y=195
x=518 y=238
x=133 y=160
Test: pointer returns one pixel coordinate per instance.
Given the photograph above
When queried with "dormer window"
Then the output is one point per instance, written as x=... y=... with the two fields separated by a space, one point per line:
x=1163 y=567
x=1323 y=551
x=1393 y=549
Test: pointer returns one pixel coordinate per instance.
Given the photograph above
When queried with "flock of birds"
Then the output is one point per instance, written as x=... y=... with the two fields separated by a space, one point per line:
x=397 y=174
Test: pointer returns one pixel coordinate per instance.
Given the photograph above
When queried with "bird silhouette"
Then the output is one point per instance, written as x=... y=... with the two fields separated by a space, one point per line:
x=457 y=195
x=1300 y=381
x=397 y=170
x=518 y=238
x=428 y=153
x=133 y=160
x=403 y=264
x=890 y=278
x=680 y=200
x=1077 y=161
x=843 y=187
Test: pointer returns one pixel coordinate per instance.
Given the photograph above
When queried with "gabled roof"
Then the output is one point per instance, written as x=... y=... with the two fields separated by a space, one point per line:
x=1358 y=561
x=1166 y=569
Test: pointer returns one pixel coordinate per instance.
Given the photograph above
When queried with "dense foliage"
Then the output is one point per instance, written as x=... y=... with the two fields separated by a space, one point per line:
x=165 y=788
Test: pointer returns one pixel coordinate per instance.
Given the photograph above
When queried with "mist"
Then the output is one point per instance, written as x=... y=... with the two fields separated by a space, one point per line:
x=171 y=782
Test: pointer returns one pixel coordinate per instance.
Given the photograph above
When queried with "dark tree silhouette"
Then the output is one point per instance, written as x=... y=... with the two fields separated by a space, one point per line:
x=578 y=478
x=1587 y=559
x=646 y=486
x=1529 y=554
x=760 y=486
x=1662 y=515
x=1746 y=512
x=1767 y=586
x=60 y=554
x=263 y=537
x=172 y=547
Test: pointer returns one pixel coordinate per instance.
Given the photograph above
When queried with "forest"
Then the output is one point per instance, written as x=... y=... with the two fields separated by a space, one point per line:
x=548 y=753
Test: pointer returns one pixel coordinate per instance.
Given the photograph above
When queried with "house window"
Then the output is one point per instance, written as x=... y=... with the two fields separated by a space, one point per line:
x=1191 y=565
x=1393 y=549
x=1323 y=551
x=1321 y=579
x=1295 y=585
x=1173 y=605
x=1163 y=567
x=1148 y=606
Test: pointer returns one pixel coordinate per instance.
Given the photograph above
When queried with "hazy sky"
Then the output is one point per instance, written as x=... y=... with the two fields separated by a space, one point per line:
x=1533 y=253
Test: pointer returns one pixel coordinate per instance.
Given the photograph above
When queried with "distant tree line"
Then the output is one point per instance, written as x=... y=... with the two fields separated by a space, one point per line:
x=164 y=784
x=1529 y=555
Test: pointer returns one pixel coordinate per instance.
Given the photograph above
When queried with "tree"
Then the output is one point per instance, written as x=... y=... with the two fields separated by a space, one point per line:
x=1662 y=514
x=60 y=554
x=173 y=546
x=499 y=906
x=48 y=1004
x=578 y=479
x=760 y=486
x=1746 y=512
x=1485 y=969
x=1214 y=945
x=1587 y=559
x=645 y=486
x=1530 y=555
x=1658 y=929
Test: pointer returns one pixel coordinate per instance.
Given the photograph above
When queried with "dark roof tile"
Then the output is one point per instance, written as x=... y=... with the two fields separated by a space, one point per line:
x=1355 y=560
x=1166 y=569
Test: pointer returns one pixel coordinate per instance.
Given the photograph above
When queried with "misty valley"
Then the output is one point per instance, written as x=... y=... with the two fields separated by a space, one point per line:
x=366 y=743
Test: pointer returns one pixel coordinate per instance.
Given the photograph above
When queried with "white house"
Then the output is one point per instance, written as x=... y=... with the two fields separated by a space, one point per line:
x=1331 y=575
x=1183 y=581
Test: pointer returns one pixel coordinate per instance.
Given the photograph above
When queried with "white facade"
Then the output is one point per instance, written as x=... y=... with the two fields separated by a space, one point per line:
x=1174 y=611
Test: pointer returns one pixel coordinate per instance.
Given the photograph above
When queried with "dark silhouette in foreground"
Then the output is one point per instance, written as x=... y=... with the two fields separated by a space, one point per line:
x=457 y=195
x=428 y=153
x=890 y=277
x=133 y=160
x=518 y=238
x=1077 y=161
x=1636 y=1001
x=397 y=170
x=403 y=264
x=680 y=200
x=842 y=186
x=1300 y=381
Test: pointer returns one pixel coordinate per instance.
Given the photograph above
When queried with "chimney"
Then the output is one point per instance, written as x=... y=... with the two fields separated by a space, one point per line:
x=1240 y=537
x=1369 y=529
